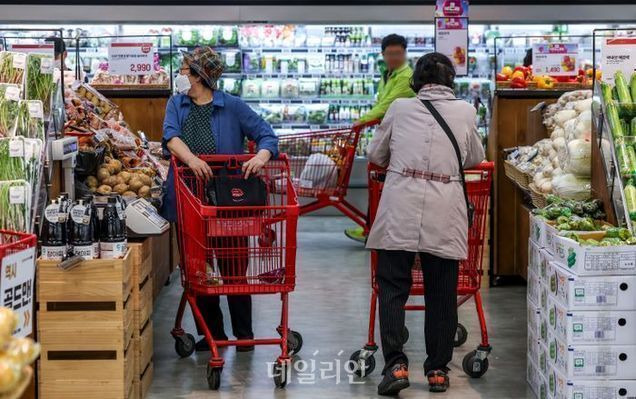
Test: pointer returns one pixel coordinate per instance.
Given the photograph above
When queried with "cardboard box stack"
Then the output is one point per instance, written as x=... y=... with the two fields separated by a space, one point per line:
x=581 y=317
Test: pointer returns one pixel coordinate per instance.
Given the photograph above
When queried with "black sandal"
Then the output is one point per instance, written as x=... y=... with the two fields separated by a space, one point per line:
x=438 y=381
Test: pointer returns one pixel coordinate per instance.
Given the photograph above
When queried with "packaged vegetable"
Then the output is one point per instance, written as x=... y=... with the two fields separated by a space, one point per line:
x=624 y=94
x=231 y=61
x=30 y=119
x=563 y=116
x=569 y=186
x=308 y=87
x=12 y=67
x=272 y=113
x=15 y=205
x=270 y=88
x=251 y=88
x=294 y=114
x=317 y=113
x=630 y=199
x=289 y=88
x=9 y=107
x=583 y=105
x=39 y=79
x=579 y=158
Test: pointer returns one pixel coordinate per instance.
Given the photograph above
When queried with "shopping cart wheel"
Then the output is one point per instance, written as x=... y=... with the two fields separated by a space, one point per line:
x=184 y=345
x=474 y=366
x=280 y=371
x=461 y=336
x=294 y=342
x=214 y=377
x=360 y=366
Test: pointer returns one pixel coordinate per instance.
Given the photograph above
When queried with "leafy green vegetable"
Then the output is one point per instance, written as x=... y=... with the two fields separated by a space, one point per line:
x=13 y=214
x=9 y=73
x=623 y=92
x=29 y=125
x=39 y=79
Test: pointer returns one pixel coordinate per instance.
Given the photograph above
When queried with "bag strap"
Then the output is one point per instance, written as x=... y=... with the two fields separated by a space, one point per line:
x=440 y=120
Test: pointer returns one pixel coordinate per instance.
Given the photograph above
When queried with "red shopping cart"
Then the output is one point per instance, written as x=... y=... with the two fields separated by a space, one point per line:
x=321 y=164
x=475 y=363
x=236 y=250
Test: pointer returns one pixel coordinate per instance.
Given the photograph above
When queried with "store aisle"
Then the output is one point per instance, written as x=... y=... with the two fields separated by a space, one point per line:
x=330 y=309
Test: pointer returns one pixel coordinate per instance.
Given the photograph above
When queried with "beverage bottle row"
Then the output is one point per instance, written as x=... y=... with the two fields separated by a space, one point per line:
x=346 y=87
x=75 y=229
x=349 y=36
x=346 y=113
x=349 y=63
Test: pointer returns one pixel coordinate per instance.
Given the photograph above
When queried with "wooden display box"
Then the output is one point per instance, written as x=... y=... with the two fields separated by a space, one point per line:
x=142 y=305
x=144 y=353
x=141 y=252
x=162 y=262
x=85 y=327
x=141 y=387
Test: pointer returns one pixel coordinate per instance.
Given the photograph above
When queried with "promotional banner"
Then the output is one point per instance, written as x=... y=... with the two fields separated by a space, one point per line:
x=618 y=54
x=130 y=58
x=555 y=59
x=451 y=39
x=17 y=287
x=451 y=8
x=47 y=48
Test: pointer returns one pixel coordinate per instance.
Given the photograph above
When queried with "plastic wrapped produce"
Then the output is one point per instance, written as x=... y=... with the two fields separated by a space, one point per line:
x=289 y=88
x=272 y=113
x=294 y=114
x=12 y=67
x=575 y=95
x=251 y=88
x=568 y=186
x=232 y=61
x=579 y=158
x=317 y=113
x=39 y=79
x=270 y=88
x=308 y=87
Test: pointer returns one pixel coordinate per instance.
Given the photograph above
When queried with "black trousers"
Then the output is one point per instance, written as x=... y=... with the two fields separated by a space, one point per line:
x=440 y=281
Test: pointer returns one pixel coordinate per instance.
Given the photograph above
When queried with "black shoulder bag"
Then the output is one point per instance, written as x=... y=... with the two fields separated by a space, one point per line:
x=470 y=206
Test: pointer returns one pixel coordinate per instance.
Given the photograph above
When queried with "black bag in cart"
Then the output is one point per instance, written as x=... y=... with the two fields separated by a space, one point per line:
x=233 y=190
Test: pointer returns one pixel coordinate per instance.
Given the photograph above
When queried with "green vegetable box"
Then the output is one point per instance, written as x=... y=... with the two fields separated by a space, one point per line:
x=591 y=361
x=563 y=387
x=584 y=327
x=537 y=291
x=536 y=380
x=537 y=352
x=544 y=232
x=537 y=326
x=586 y=260
x=591 y=293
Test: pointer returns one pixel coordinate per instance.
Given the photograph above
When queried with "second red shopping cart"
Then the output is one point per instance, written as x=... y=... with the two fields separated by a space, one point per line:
x=478 y=183
x=236 y=250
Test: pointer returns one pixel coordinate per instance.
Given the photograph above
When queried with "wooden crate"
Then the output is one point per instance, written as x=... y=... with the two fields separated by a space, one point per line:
x=162 y=260
x=144 y=353
x=141 y=252
x=85 y=327
x=142 y=305
x=146 y=381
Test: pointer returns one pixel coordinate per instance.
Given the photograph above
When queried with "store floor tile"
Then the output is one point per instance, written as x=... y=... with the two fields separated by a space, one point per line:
x=330 y=309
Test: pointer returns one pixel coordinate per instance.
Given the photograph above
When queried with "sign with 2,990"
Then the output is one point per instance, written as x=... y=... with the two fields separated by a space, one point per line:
x=130 y=58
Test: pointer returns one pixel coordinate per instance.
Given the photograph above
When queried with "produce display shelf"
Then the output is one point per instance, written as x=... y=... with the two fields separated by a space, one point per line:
x=525 y=93
x=316 y=100
x=122 y=91
x=321 y=75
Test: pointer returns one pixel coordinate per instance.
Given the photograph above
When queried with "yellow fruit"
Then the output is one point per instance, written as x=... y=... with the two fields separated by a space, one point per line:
x=518 y=74
x=507 y=71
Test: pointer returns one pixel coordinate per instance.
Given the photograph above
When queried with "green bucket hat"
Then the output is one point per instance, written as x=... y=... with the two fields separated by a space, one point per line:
x=207 y=63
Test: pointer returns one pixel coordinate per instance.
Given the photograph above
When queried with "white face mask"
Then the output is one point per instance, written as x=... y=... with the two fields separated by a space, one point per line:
x=182 y=84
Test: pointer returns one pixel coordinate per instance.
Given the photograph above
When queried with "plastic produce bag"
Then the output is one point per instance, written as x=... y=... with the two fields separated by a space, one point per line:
x=568 y=186
x=319 y=172
x=578 y=160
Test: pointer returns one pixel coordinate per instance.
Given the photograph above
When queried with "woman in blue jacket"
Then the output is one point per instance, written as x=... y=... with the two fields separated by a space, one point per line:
x=203 y=120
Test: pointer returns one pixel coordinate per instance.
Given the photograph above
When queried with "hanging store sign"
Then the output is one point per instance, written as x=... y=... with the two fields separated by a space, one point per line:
x=48 y=48
x=555 y=59
x=17 y=287
x=618 y=54
x=451 y=8
x=451 y=39
x=130 y=58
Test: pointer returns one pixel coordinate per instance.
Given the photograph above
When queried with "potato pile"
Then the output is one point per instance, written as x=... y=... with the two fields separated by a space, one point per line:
x=15 y=353
x=112 y=179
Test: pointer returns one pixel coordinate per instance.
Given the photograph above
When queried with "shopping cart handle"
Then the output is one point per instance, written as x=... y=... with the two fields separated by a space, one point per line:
x=486 y=165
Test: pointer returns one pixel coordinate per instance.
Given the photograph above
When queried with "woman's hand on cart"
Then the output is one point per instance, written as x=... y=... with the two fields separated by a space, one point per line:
x=199 y=167
x=258 y=161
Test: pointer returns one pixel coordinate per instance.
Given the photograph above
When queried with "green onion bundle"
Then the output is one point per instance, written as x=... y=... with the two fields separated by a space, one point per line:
x=29 y=125
x=8 y=116
x=9 y=73
x=39 y=80
x=14 y=215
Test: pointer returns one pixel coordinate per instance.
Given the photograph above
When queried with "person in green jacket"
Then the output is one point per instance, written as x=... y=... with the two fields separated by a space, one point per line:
x=395 y=83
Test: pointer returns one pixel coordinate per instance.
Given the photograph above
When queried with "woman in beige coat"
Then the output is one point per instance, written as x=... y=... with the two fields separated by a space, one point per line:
x=422 y=211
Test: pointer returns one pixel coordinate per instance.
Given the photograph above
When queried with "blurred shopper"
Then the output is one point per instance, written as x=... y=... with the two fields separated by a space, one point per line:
x=422 y=212
x=395 y=83
x=203 y=120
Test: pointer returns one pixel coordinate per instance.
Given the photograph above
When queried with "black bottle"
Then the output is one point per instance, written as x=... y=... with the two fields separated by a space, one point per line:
x=53 y=234
x=112 y=238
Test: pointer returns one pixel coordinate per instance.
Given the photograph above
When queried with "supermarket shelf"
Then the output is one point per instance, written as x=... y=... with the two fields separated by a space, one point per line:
x=524 y=93
x=320 y=100
x=326 y=75
x=135 y=93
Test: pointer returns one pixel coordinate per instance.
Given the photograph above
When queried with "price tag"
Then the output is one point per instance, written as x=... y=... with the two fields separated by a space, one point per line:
x=29 y=149
x=46 y=65
x=35 y=109
x=12 y=93
x=451 y=39
x=16 y=148
x=19 y=60
x=130 y=58
x=618 y=54
x=555 y=59
x=16 y=195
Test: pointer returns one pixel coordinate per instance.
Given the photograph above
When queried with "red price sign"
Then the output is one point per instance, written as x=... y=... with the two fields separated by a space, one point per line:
x=130 y=58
